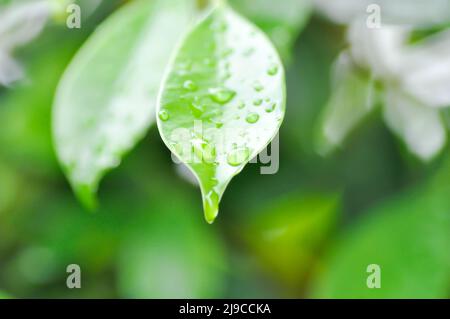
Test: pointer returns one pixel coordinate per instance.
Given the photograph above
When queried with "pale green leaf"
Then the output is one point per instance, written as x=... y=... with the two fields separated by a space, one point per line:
x=223 y=100
x=106 y=99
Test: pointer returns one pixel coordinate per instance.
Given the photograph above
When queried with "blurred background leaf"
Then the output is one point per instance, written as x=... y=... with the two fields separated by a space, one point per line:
x=407 y=236
x=289 y=235
x=368 y=202
x=282 y=21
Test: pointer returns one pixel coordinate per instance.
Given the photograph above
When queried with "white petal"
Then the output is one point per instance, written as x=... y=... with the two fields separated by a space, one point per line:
x=10 y=70
x=350 y=101
x=22 y=22
x=380 y=50
x=420 y=127
x=426 y=70
x=401 y=12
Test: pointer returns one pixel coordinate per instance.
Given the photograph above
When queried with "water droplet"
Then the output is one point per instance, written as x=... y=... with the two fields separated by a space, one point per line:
x=211 y=206
x=258 y=86
x=190 y=85
x=273 y=70
x=271 y=107
x=238 y=156
x=252 y=118
x=197 y=109
x=241 y=105
x=257 y=102
x=163 y=115
x=222 y=95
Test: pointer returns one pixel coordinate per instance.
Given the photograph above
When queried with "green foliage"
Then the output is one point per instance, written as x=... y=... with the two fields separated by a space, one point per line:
x=296 y=228
x=106 y=99
x=310 y=230
x=281 y=20
x=172 y=255
x=408 y=236
x=222 y=102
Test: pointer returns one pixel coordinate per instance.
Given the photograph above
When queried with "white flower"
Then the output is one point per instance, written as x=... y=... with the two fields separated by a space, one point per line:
x=415 y=79
x=19 y=23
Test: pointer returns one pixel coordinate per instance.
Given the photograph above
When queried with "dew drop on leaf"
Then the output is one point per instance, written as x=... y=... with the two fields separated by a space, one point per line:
x=252 y=118
x=257 y=102
x=273 y=70
x=163 y=115
x=238 y=156
x=190 y=85
x=222 y=95
x=271 y=107
x=258 y=86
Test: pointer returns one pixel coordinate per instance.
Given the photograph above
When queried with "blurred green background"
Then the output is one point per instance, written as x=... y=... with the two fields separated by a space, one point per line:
x=309 y=231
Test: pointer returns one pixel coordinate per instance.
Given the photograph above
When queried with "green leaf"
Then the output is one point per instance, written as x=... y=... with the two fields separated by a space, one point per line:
x=407 y=236
x=295 y=227
x=106 y=99
x=282 y=21
x=222 y=102
x=351 y=101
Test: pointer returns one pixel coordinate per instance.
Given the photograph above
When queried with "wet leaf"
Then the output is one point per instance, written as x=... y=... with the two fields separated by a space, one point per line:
x=222 y=102
x=106 y=99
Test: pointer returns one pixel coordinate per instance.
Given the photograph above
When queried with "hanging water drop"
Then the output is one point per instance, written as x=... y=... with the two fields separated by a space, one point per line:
x=211 y=206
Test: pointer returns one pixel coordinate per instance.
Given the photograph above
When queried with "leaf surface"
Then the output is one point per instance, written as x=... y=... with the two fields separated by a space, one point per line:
x=222 y=101
x=106 y=99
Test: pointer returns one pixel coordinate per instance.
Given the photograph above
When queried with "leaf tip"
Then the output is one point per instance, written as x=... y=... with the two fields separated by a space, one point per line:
x=211 y=206
x=86 y=194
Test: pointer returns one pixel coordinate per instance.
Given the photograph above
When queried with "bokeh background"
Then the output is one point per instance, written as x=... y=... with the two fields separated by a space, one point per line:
x=309 y=231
